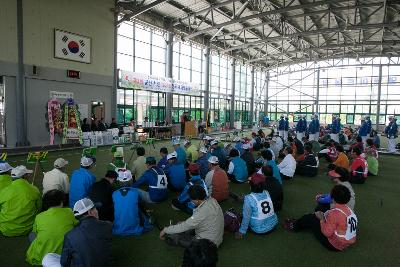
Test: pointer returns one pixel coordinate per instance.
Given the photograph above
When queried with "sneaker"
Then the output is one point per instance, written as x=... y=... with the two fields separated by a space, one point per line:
x=289 y=224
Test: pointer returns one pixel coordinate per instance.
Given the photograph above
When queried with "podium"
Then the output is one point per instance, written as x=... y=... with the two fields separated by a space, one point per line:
x=190 y=128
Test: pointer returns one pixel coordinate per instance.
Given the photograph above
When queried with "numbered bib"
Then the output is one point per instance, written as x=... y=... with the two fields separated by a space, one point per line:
x=265 y=208
x=351 y=230
x=162 y=182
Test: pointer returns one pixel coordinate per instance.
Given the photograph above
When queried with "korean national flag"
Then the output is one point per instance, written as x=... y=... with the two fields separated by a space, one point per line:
x=72 y=46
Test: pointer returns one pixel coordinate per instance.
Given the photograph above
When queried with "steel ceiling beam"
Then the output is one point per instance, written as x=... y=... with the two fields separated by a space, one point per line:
x=141 y=10
x=315 y=32
x=263 y=14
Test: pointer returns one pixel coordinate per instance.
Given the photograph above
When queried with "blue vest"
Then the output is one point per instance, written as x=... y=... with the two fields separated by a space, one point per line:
x=126 y=212
x=240 y=169
x=82 y=181
x=181 y=155
x=177 y=175
x=203 y=163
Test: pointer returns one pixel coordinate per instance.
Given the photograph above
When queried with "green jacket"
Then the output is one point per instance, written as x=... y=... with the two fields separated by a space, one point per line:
x=19 y=204
x=50 y=227
x=373 y=165
x=5 y=180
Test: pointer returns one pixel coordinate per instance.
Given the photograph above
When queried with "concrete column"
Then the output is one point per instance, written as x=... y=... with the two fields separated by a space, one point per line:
x=378 y=103
x=266 y=85
x=206 y=77
x=114 y=94
x=20 y=88
x=169 y=66
x=317 y=96
x=232 y=111
x=252 y=96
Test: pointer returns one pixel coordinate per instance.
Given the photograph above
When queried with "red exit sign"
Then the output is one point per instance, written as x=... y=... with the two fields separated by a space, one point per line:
x=73 y=74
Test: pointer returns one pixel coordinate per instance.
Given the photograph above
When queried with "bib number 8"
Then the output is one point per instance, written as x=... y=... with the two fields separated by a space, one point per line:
x=265 y=207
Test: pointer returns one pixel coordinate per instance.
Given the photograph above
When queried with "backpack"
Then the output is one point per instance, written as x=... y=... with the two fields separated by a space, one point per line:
x=232 y=220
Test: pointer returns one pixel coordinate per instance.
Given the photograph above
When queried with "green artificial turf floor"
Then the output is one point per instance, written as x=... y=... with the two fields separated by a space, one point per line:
x=377 y=208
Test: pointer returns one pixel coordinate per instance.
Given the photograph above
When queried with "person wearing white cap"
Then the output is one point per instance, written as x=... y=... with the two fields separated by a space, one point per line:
x=20 y=202
x=207 y=139
x=238 y=145
x=5 y=174
x=180 y=152
x=191 y=151
x=88 y=244
x=217 y=180
x=127 y=215
x=176 y=173
x=81 y=181
x=219 y=152
x=56 y=178
x=227 y=148
x=202 y=161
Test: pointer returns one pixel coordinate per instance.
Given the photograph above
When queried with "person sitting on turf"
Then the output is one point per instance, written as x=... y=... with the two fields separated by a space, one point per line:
x=102 y=193
x=216 y=150
x=268 y=161
x=341 y=161
x=5 y=175
x=19 y=203
x=49 y=228
x=176 y=173
x=227 y=148
x=206 y=222
x=237 y=169
x=276 y=145
x=340 y=176
x=287 y=167
x=200 y=253
x=118 y=159
x=238 y=145
x=329 y=153
x=217 y=180
x=82 y=181
x=298 y=148
x=163 y=163
x=359 y=144
x=273 y=187
x=157 y=183
x=139 y=165
x=183 y=201
x=206 y=140
x=191 y=151
x=335 y=229
x=258 y=209
x=88 y=244
x=376 y=140
x=128 y=219
x=267 y=146
x=371 y=155
x=255 y=142
x=202 y=161
x=56 y=178
x=248 y=157
x=358 y=168
x=308 y=166
x=180 y=152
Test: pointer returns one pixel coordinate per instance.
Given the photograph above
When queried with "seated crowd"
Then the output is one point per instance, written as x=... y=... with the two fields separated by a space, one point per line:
x=72 y=223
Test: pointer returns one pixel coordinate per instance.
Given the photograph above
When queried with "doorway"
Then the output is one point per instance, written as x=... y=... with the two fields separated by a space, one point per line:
x=98 y=110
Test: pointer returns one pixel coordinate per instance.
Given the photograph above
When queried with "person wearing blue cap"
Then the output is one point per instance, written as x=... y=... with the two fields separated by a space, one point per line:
x=156 y=180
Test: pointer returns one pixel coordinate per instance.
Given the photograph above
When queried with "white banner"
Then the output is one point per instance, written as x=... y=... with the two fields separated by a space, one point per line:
x=72 y=46
x=136 y=80
x=72 y=133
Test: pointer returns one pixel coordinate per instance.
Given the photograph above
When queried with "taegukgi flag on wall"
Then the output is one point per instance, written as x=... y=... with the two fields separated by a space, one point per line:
x=72 y=46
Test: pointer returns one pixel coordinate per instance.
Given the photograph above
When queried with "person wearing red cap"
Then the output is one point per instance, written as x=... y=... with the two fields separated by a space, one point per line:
x=258 y=209
x=183 y=201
